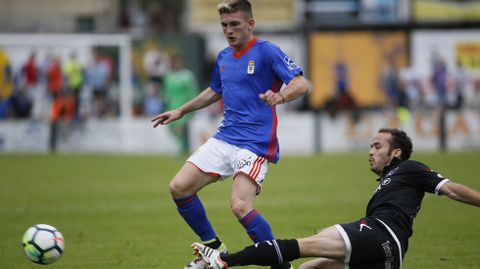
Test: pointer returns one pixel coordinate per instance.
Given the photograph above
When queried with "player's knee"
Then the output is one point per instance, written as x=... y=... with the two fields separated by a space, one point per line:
x=176 y=190
x=240 y=208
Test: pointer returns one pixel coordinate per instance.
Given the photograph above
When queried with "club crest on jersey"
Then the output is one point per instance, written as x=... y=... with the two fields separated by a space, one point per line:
x=386 y=181
x=251 y=67
x=383 y=182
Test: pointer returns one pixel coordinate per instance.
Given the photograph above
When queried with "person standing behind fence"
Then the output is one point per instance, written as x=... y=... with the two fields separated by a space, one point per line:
x=156 y=64
x=6 y=84
x=180 y=85
x=73 y=72
x=30 y=90
x=99 y=80
x=54 y=77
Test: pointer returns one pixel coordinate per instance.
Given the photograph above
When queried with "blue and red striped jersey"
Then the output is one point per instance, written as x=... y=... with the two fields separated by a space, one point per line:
x=248 y=122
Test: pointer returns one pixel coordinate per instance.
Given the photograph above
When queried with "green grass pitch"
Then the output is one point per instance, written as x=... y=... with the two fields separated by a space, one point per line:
x=116 y=211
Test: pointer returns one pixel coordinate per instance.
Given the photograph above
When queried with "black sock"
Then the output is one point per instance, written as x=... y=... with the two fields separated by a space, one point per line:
x=264 y=253
x=215 y=243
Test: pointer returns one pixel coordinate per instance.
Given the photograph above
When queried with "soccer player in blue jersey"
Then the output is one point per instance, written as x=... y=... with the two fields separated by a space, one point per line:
x=248 y=76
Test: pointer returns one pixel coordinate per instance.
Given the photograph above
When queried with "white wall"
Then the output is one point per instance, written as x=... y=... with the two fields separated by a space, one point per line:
x=296 y=133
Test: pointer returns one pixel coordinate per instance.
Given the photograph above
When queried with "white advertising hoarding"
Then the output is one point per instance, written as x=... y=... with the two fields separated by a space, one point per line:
x=453 y=46
x=299 y=134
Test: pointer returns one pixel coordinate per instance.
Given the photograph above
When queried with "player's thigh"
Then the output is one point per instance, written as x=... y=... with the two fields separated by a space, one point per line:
x=189 y=180
x=322 y=263
x=370 y=245
x=327 y=244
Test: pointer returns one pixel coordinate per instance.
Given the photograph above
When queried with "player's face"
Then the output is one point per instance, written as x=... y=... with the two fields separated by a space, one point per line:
x=380 y=154
x=237 y=29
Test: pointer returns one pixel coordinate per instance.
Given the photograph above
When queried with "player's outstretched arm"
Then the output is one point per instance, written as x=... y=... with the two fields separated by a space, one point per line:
x=205 y=98
x=461 y=193
x=297 y=87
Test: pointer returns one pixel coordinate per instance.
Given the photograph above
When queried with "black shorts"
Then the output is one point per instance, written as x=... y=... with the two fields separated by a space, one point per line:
x=371 y=244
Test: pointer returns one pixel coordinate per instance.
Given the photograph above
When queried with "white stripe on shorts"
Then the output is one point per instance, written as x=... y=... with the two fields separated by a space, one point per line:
x=348 y=244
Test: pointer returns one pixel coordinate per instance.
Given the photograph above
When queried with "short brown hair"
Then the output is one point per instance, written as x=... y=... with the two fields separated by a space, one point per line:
x=230 y=6
x=400 y=140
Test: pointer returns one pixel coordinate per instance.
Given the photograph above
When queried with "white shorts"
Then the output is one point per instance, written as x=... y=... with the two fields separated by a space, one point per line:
x=218 y=158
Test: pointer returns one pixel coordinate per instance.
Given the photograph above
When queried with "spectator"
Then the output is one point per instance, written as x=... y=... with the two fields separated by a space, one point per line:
x=6 y=84
x=99 y=73
x=390 y=84
x=30 y=72
x=462 y=79
x=20 y=104
x=62 y=114
x=73 y=71
x=180 y=86
x=54 y=77
x=342 y=100
x=156 y=64
x=439 y=80
x=29 y=83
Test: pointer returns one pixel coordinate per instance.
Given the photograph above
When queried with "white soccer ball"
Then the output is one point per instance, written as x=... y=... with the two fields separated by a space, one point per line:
x=43 y=244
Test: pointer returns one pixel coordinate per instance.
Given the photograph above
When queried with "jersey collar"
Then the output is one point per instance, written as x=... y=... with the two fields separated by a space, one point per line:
x=395 y=161
x=238 y=55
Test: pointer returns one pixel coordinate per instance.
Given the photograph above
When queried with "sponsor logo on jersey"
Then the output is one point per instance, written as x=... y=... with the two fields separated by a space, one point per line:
x=389 y=259
x=291 y=65
x=364 y=224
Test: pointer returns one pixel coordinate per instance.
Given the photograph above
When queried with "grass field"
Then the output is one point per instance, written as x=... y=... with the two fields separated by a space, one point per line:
x=116 y=212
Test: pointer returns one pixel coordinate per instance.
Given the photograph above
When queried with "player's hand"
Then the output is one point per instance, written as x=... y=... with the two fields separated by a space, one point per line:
x=272 y=98
x=166 y=117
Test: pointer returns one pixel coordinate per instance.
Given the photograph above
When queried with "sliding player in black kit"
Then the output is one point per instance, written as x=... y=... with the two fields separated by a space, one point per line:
x=377 y=241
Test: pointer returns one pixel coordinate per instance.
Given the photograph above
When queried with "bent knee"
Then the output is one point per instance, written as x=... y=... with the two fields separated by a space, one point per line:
x=240 y=208
x=178 y=190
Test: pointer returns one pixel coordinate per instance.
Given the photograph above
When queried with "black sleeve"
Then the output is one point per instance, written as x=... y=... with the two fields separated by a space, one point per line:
x=427 y=179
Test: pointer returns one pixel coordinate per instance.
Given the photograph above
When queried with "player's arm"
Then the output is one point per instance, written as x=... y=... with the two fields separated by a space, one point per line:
x=205 y=98
x=461 y=193
x=297 y=87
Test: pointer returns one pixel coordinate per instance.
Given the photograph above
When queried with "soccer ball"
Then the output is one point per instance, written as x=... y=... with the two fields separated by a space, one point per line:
x=43 y=244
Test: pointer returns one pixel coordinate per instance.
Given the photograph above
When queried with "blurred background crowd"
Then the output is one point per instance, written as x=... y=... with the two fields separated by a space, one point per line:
x=360 y=55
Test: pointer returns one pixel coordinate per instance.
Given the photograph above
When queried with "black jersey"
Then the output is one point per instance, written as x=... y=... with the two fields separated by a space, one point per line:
x=398 y=197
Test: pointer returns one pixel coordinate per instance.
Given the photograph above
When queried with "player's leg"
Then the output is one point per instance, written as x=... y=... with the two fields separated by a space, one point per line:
x=205 y=166
x=244 y=191
x=249 y=174
x=327 y=244
x=323 y=263
x=183 y=188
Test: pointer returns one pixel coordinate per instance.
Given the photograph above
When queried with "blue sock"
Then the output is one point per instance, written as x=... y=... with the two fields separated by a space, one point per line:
x=193 y=212
x=257 y=227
